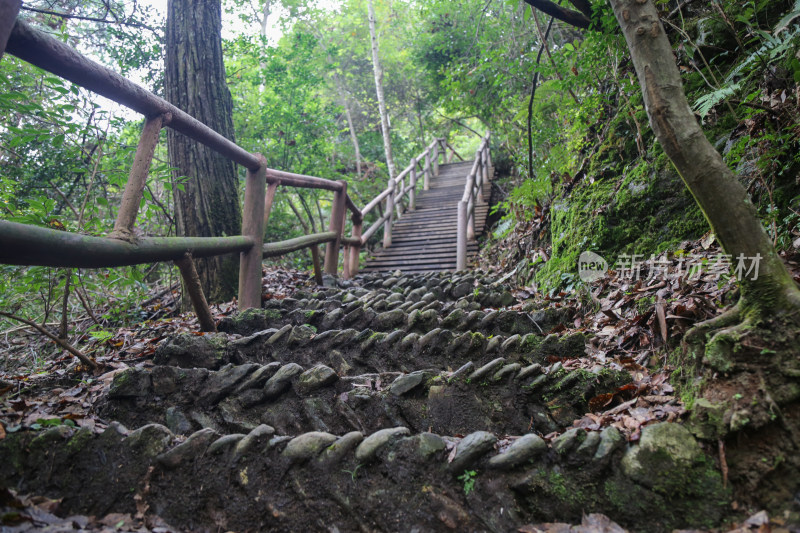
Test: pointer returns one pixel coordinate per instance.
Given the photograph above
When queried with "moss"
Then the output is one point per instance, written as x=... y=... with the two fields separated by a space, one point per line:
x=646 y=210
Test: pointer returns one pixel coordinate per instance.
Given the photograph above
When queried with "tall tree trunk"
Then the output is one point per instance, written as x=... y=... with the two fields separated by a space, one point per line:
x=351 y=126
x=208 y=205
x=376 y=67
x=722 y=198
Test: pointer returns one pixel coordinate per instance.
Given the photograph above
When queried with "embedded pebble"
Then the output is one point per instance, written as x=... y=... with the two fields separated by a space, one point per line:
x=488 y=368
x=307 y=445
x=278 y=383
x=371 y=445
x=315 y=378
x=470 y=449
x=194 y=446
x=521 y=450
x=407 y=382
x=258 y=435
x=341 y=447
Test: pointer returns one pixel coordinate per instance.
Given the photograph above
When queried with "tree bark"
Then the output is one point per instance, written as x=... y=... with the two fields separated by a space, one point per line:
x=195 y=83
x=721 y=196
x=376 y=66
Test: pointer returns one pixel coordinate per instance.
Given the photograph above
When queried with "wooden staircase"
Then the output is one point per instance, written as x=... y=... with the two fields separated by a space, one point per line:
x=424 y=240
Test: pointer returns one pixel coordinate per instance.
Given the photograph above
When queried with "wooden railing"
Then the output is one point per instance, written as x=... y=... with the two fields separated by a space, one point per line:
x=22 y=244
x=400 y=196
x=473 y=193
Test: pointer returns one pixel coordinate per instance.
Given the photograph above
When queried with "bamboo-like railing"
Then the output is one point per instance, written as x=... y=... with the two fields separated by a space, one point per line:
x=400 y=196
x=473 y=193
x=22 y=244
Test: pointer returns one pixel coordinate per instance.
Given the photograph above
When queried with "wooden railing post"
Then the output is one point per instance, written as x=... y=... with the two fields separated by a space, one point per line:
x=481 y=178
x=461 y=236
x=191 y=281
x=137 y=178
x=9 y=9
x=398 y=199
x=355 y=249
x=336 y=225
x=253 y=227
x=387 y=226
x=426 y=184
x=436 y=158
x=412 y=194
x=269 y=198
x=317 y=264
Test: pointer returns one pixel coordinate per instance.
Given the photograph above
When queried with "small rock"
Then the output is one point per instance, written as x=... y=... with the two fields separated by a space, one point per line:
x=259 y=435
x=588 y=447
x=149 y=440
x=428 y=338
x=314 y=378
x=332 y=318
x=470 y=449
x=300 y=335
x=371 y=445
x=307 y=445
x=280 y=382
x=531 y=370
x=494 y=344
x=130 y=383
x=177 y=421
x=506 y=371
x=521 y=450
x=568 y=440
x=462 y=371
x=452 y=320
x=223 y=443
x=342 y=446
x=428 y=444
x=405 y=383
x=194 y=446
x=278 y=335
x=610 y=440
x=511 y=344
x=664 y=448
x=488 y=368
x=389 y=320
x=219 y=384
x=259 y=377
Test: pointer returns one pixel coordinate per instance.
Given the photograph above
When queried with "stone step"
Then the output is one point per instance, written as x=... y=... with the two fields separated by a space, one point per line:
x=501 y=396
x=390 y=480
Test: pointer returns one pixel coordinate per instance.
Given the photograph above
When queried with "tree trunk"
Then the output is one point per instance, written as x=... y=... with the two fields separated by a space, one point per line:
x=721 y=196
x=352 y=128
x=195 y=82
x=376 y=66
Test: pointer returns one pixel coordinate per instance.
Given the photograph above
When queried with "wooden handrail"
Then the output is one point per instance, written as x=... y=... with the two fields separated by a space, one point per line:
x=473 y=188
x=31 y=245
x=23 y=244
x=52 y=55
x=277 y=249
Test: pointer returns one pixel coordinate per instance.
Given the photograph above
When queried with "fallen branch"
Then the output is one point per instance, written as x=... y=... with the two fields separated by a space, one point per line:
x=61 y=342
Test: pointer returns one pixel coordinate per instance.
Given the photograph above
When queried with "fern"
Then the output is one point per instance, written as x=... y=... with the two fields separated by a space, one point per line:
x=785 y=21
x=705 y=103
x=773 y=48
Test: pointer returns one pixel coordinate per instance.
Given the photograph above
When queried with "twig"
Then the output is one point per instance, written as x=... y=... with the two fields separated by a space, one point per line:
x=64 y=344
x=91 y=19
x=533 y=88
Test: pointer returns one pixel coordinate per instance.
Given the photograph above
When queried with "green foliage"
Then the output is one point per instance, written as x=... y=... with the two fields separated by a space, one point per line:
x=469 y=478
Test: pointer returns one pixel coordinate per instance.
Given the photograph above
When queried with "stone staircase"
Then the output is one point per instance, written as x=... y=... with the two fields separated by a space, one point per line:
x=410 y=403
x=424 y=240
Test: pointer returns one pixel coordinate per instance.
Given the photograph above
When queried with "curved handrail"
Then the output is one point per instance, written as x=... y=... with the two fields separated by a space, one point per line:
x=123 y=247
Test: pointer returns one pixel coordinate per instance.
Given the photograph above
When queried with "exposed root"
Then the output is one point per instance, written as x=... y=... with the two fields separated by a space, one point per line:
x=728 y=318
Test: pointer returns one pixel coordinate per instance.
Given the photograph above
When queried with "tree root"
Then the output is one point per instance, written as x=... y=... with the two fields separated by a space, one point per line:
x=728 y=318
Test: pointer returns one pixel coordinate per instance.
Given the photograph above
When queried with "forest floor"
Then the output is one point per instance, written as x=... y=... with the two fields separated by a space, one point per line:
x=629 y=323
